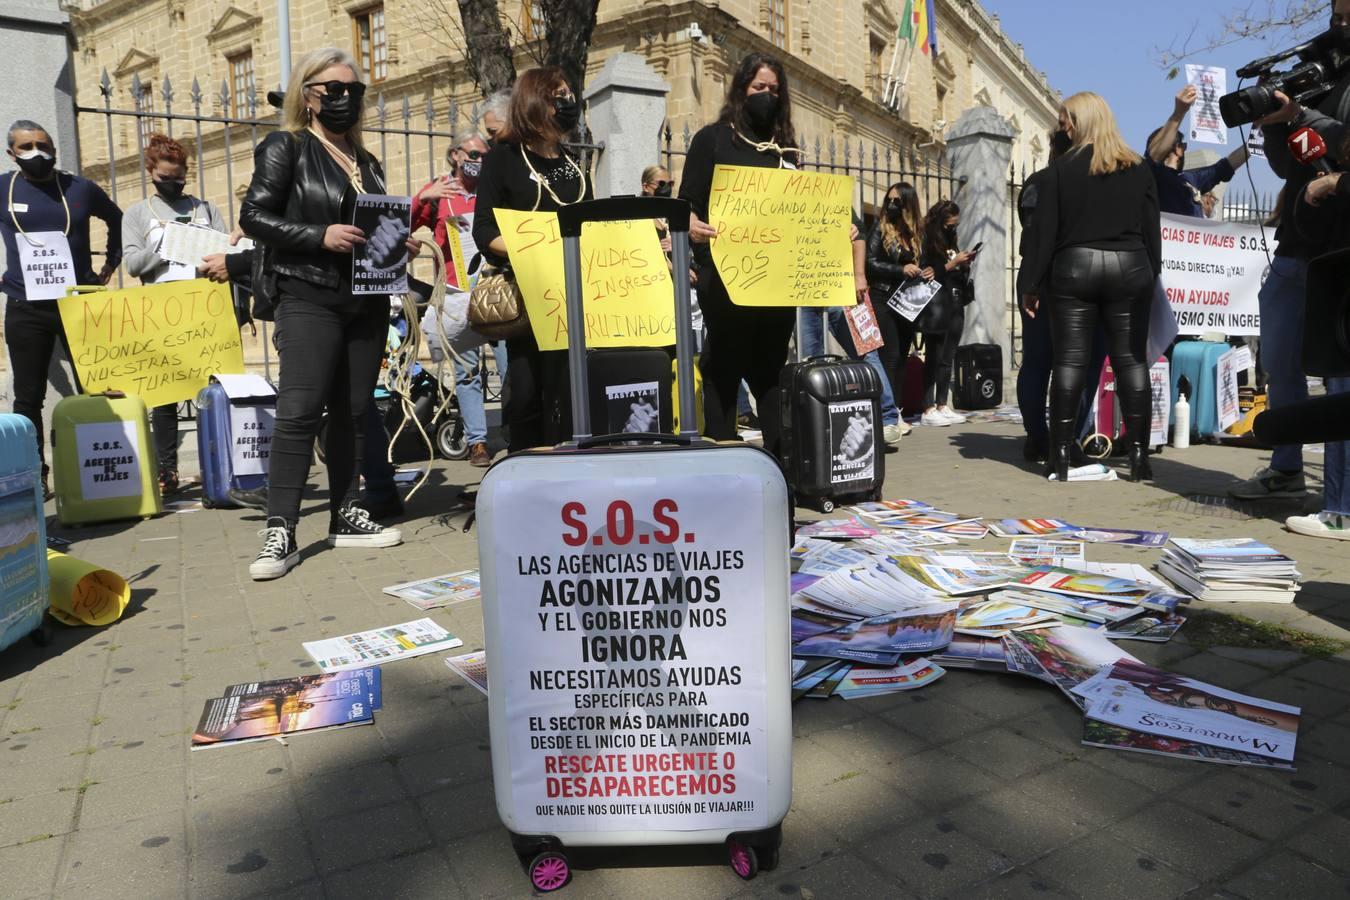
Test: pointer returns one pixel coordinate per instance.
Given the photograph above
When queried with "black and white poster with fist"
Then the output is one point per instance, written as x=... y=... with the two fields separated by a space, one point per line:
x=634 y=408
x=380 y=265
x=853 y=444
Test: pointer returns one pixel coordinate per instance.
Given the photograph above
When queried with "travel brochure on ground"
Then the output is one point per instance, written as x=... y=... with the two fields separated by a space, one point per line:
x=444 y=590
x=878 y=607
x=264 y=710
x=381 y=645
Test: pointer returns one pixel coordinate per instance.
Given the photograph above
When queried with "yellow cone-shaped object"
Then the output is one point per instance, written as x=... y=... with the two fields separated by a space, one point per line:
x=84 y=594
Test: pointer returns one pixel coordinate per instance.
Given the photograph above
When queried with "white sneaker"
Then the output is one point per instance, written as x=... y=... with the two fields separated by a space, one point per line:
x=279 y=553
x=955 y=418
x=934 y=419
x=892 y=434
x=1324 y=525
x=353 y=527
x=905 y=428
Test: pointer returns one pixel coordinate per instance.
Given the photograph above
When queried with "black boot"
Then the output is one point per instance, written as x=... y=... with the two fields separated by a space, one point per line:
x=1140 y=468
x=1057 y=463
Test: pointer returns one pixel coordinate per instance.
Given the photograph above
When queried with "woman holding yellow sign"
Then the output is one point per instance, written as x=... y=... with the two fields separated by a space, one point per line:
x=744 y=342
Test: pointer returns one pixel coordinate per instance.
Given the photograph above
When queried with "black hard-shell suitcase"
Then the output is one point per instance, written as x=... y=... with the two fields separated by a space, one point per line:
x=630 y=390
x=832 y=447
x=977 y=382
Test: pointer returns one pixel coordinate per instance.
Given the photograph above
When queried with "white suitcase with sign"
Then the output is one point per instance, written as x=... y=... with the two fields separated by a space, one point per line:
x=635 y=605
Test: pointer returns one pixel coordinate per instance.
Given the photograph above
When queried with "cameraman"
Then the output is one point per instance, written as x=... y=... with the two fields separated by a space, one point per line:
x=1282 y=295
x=1322 y=214
x=1179 y=191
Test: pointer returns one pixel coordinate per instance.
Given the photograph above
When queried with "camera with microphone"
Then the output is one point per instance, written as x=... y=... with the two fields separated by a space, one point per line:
x=1322 y=62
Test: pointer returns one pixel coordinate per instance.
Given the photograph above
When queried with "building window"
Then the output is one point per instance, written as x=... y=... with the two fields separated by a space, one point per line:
x=371 y=42
x=778 y=23
x=876 y=71
x=532 y=20
x=145 y=103
x=241 y=79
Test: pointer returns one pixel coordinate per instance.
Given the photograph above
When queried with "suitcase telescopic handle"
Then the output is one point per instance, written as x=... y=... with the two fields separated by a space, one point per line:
x=642 y=437
x=623 y=209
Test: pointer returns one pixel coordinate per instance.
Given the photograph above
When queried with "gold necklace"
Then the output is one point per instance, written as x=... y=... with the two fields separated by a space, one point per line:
x=346 y=160
x=541 y=185
x=15 y=219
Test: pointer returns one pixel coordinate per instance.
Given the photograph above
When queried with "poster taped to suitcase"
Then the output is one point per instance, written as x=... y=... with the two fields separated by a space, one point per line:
x=635 y=671
x=628 y=294
x=637 y=406
x=1212 y=272
x=380 y=265
x=1160 y=387
x=109 y=455
x=1226 y=390
x=161 y=342
x=782 y=236
x=251 y=427
x=853 y=443
x=20 y=551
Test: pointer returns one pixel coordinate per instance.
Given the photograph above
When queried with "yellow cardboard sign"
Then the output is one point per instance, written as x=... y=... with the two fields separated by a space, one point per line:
x=782 y=236
x=161 y=342
x=628 y=295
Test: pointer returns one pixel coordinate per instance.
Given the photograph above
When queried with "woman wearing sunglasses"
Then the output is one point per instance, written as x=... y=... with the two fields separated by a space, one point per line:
x=305 y=181
x=530 y=169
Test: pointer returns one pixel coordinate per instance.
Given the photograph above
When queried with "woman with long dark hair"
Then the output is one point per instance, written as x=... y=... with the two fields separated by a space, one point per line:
x=754 y=128
x=942 y=322
x=527 y=169
x=1093 y=252
x=305 y=180
x=893 y=252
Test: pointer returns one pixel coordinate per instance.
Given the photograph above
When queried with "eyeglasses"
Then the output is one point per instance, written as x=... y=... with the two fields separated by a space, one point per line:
x=336 y=89
x=44 y=146
x=661 y=184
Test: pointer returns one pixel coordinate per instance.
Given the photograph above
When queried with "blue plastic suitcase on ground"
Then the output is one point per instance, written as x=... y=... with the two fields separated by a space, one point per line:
x=234 y=432
x=23 y=533
x=1199 y=362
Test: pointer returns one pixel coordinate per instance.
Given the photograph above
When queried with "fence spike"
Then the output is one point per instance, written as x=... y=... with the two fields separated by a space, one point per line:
x=407 y=112
x=890 y=157
x=105 y=84
x=225 y=94
x=196 y=94
x=136 y=90
x=476 y=113
x=166 y=91
x=452 y=113
x=688 y=138
x=831 y=150
x=817 y=156
x=848 y=154
x=876 y=156
x=431 y=113
x=252 y=98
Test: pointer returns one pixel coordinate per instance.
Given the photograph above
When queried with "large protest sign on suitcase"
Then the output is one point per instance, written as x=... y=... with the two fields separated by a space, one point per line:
x=635 y=616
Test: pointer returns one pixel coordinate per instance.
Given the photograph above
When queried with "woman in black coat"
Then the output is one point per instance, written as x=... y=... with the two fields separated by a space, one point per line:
x=893 y=250
x=305 y=181
x=1094 y=250
x=942 y=322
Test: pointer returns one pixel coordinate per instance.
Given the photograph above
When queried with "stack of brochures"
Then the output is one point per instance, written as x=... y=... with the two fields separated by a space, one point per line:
x=262 y=710
x=1239 y=569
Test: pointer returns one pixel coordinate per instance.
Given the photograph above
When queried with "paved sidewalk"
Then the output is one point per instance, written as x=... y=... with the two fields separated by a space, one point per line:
x=974 y=787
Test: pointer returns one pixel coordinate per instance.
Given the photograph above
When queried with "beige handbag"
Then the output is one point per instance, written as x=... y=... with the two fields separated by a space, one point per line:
x=496 y=309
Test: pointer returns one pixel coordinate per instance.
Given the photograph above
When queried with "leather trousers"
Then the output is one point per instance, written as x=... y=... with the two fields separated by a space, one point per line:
x=1113 y=287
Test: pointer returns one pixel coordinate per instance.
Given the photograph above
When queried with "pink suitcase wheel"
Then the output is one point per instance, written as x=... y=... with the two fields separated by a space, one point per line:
x=743 y=860
x=549 y=871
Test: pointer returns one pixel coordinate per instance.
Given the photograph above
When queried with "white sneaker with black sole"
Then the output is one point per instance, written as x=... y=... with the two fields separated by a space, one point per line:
x=353 y=527
x=279 y=553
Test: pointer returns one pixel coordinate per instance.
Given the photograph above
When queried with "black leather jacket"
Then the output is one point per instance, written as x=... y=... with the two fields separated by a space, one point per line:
x=885 y=269
x=293 y=198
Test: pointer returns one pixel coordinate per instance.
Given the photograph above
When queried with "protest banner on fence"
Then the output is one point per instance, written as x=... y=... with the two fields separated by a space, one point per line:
x=634 y=667
x=1211 y=82
x=1212 y=272
x=628 y=295
x=161 y=342
x=782 y=236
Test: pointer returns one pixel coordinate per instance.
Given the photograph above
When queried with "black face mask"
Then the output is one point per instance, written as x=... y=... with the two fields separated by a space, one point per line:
x=663 y=190
x=761 y=109
x=566 y=114
x=470 y=169
x=170 y=190
x=1060 y=142
x=38 y=166
x=950 y=234
x=891 y=210
x=339 y=114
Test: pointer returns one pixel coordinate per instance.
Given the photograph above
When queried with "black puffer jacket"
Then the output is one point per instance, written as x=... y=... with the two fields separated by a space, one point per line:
x=295 y=195
x=885 y=268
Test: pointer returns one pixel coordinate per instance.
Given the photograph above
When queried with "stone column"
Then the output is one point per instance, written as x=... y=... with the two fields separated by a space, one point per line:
x=626 y=104
x=979 y=147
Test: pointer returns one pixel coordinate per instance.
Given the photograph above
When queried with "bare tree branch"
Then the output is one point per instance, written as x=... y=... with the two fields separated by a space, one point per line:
x=1269 y=21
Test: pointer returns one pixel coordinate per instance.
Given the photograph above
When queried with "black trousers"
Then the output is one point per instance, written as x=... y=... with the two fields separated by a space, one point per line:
x=537 y=405
x=164 y=421
x=744 y=343
x=330 y=357
x=1115 y=288
x=32 y=331
x=939 y=352
x=897 y=333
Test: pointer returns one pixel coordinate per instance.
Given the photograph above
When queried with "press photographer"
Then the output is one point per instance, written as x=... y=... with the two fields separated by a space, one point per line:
x=1323 y=76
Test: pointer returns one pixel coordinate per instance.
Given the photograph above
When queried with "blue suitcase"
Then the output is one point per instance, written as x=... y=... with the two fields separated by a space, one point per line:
x=218 y=444
x=23 y=533
x=1199 y=362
